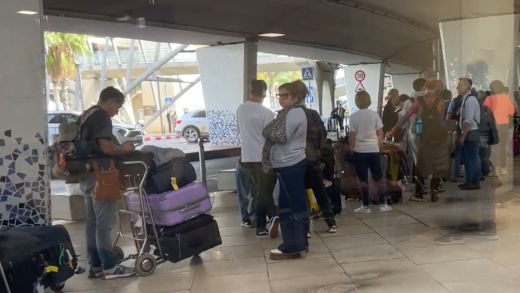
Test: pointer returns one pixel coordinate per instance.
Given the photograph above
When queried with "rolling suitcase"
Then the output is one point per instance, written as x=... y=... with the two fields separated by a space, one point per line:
x=32 y=257
x=189 y=238
x=174 y=207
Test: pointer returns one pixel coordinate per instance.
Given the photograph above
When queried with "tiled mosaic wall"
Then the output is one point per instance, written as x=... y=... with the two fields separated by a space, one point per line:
x=24 y=192
x=223 y=127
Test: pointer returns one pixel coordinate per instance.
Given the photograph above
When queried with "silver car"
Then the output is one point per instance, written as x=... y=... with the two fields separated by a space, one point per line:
x=193 y=125
x=123 y=132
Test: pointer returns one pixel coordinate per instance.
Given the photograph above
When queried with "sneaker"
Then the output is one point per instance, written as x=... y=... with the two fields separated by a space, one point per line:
x=262 y=233
x=276 y=254
x=95 y=272
x=385 y=208
x=490 y=236
x=503 y=172
x=246 y=224
x=333 y=229
x=462 y=185
x=449 y=240
x=417 y=198
x=363 y=210
x=309 y=235
x=273 y=230
x=118 y=271
x=493 y=174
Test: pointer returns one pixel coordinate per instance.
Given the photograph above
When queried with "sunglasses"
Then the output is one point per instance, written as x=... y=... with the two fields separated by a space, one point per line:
x=283 y=96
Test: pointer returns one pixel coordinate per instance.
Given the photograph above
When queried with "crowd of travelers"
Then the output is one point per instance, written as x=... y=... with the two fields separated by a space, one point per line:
x=439 y=134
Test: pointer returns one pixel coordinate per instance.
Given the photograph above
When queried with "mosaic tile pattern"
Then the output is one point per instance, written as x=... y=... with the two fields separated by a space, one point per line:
x=223 y=127
x=24 y=192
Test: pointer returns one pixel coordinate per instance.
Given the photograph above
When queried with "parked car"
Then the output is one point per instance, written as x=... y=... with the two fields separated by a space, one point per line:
x=123 y=132
x=193 y=125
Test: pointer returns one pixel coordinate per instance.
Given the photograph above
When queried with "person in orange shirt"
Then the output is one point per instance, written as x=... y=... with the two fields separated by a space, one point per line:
x=503 y=110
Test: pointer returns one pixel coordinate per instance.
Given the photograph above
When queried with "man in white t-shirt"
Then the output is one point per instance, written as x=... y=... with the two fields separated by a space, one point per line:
x=252 y=117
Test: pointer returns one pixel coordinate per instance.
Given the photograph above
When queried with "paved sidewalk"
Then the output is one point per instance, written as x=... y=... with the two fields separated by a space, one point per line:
x=391 y=253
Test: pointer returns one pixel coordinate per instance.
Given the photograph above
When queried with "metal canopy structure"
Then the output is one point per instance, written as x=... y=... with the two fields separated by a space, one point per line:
x=400 y=31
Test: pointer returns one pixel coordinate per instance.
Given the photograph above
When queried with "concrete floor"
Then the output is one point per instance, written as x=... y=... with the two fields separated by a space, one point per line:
x=391 y=253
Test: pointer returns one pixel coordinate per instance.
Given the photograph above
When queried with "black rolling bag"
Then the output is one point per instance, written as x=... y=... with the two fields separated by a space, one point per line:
x=35 y=256
x=189 y=238
x=159 y=180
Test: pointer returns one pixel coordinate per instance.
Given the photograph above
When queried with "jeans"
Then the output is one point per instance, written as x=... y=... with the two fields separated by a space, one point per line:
x=246 y=193
x=264 y=187
x=455 y=163
x=314 y=181
x=471 y=159
x=99 y=222
x=363 y=163
x=485 y=164
x=294 y=214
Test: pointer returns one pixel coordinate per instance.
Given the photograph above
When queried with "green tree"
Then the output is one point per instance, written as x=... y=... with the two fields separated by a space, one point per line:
x=61 y=56
x=276 y=79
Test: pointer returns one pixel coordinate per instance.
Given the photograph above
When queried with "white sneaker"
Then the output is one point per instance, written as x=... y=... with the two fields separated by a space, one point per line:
x=503 y=172
x=385 y=208
x=362 y=210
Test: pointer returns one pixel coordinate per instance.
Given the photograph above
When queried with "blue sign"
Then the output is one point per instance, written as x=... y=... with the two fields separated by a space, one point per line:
x=311 y=90
x=309 y=99
x=168 y=101
x=308 y=73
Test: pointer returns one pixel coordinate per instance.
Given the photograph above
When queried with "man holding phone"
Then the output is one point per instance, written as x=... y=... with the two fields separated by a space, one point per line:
x=96 y=134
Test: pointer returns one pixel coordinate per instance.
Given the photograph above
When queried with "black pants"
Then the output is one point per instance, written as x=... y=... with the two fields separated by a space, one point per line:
x=314 y=181
x=363 y=163
x=264 y=185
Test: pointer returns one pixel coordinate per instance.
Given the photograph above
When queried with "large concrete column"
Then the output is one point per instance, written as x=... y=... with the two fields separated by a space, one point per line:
x=404 y=82
x=481 y=48
x=24 y=182
x=225 y=73
x=323 y=93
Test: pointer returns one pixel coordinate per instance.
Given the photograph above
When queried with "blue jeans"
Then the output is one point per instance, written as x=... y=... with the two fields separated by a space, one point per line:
x=455 y=164
x=99 y=222
x=485 y=154
x=293 y=210
x=471 y=161
x=246 y=193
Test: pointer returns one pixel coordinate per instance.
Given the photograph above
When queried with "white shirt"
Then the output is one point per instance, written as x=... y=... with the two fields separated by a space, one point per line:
x=252 y=118
x=365 y=123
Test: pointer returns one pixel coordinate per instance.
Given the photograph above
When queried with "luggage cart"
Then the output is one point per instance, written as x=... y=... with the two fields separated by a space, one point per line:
x=145 y=262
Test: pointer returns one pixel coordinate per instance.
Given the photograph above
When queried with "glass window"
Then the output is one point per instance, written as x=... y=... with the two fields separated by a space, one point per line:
x=52 y=118
x=68 y=118
x=200 y=114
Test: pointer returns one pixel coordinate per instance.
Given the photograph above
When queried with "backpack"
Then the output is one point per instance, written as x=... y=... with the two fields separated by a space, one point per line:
x=487 y=126
x=316 y=134
x=432 y=129
x=63 y=154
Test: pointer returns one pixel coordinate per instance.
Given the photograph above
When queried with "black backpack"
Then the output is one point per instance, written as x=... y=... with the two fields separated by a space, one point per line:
x=432 y=128
x=316 y=134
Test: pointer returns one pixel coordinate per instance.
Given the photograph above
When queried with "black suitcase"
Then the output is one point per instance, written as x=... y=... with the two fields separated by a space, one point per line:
x=29 y=255
x=189 y=238
x=159 y=180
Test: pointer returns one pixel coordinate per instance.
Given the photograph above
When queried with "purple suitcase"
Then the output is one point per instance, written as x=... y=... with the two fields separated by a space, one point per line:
x=174 y=207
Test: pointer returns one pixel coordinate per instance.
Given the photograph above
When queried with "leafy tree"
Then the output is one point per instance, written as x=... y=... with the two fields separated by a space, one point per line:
x=60 y=60
x=276 y=79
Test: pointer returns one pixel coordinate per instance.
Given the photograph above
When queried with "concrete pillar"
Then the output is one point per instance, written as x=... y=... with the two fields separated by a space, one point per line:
x=323 y=94
x=365 y=77
x=24 y=180
x=481 y=48
x=225 y=73
x=404 y=82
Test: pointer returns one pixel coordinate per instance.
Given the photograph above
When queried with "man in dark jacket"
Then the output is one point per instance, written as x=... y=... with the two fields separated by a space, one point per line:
x=316 y=136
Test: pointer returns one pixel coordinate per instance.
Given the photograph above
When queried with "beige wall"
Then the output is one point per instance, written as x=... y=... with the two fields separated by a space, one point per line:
x=148 y=100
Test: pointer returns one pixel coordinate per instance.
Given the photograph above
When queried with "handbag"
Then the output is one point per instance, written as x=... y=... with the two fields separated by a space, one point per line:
x=108 y=186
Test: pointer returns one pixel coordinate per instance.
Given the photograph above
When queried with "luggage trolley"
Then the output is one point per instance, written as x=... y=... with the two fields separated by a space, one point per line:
x=145 y=263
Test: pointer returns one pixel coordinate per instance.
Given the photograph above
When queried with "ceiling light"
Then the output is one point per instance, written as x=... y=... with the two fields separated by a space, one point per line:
x=272 y=35
x=26 y=12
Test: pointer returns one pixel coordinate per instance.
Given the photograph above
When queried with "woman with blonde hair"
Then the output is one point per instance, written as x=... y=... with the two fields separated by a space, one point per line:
x=390 y=117
x=284 y=153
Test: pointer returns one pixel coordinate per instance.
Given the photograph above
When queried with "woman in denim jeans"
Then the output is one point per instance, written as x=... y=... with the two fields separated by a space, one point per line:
x=284 y=153
x=366 y=135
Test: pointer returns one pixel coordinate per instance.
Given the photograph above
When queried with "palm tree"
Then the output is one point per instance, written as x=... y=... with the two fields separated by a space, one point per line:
x=61 y=56
x=275 y=79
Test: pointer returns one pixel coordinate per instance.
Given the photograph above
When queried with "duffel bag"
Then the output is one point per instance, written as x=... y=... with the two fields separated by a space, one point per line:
x=160 y=180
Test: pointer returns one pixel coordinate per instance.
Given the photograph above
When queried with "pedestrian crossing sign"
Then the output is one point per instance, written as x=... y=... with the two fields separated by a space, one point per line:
x=308 y=73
